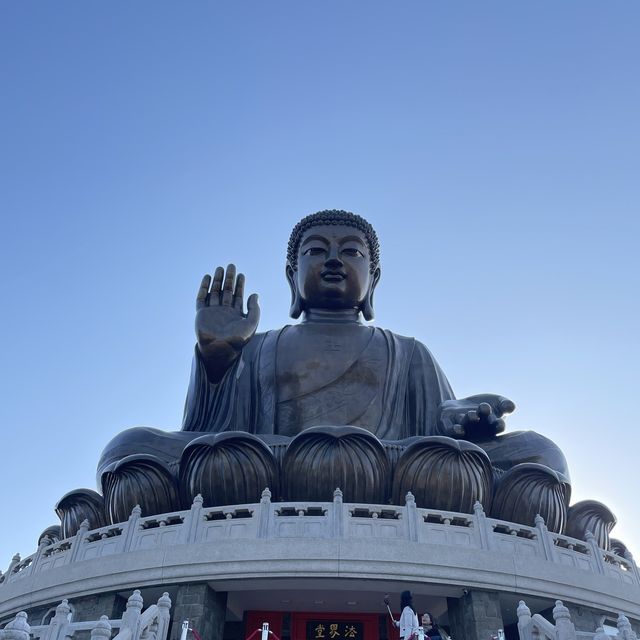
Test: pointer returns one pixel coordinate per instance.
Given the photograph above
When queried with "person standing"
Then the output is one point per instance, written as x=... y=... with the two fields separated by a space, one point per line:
x=408 y=623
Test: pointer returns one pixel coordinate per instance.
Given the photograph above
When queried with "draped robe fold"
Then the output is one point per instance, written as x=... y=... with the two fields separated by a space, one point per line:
x=412 y=387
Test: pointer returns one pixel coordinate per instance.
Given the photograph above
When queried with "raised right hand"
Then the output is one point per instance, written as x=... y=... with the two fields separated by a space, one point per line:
x=222 y=327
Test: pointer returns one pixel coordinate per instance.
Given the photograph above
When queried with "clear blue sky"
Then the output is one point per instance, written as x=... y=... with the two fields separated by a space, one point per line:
x=494 y=145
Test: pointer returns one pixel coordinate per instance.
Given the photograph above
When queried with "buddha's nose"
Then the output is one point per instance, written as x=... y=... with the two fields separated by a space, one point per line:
x=333 y=260
x=333 y=257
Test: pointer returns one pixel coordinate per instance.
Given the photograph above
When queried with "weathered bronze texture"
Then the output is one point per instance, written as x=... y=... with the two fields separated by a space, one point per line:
x=139 y=480
x=329 y=402
x=75 y=507
x=591 y=516
x=530 y=489
x=619 y=547
x=226 y=468
x=443 y=473
x=320 y=459
x=50 y=535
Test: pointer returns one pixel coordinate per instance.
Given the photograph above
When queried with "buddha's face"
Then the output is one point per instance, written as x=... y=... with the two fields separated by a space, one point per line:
x=333 y=268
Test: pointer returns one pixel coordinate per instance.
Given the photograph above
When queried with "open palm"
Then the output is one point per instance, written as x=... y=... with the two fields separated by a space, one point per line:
x=222 y=327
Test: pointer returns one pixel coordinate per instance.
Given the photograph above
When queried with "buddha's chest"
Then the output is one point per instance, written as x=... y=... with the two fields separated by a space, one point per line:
x=329 y=377
x=311 y=357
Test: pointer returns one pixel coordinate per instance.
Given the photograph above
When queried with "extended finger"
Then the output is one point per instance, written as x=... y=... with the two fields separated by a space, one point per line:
x=238 y=294
x=499 y=425
x=253 y=309
x=203 y=292
x=472 y=416
x=484 y=409
x=216 y=286
x=506 y=406
x=229 y=279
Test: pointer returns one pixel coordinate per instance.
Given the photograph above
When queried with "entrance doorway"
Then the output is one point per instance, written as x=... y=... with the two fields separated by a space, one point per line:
x=317 y=626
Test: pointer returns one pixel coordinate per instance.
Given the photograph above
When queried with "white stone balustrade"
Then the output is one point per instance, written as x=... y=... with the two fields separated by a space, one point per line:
x=325 y=520
x=135 y=624
x=538 y=628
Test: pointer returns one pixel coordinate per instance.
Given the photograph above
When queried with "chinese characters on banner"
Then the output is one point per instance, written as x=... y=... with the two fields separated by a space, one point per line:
x=334 y=630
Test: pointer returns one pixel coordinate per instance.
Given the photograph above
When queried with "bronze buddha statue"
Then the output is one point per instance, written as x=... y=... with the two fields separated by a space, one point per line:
x=328 y=402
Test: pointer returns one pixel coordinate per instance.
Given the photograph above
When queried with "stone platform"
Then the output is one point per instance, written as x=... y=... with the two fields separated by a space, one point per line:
x=250 y=551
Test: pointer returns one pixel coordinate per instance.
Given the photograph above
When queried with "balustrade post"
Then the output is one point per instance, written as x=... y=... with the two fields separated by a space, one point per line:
x=15 y=561
x=545 y=539
x=625 y=632
x=565 y=629
x=17 y=629
x=131 y=616
x=192 y=520
x=37 y=558
x=524 y=621
x=164 y=616
x=338 y=514
x=634 y=567
x=57 y=628
x=264 y=518
x=482 y=525
x=102 y=630
x=596 y=553
x=130 y=529
x=76 y=545
x=412 y=516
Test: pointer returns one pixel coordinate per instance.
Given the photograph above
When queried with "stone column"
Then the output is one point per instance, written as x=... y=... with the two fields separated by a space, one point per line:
x=103 y=604
x=204 y=608
x=475 y=616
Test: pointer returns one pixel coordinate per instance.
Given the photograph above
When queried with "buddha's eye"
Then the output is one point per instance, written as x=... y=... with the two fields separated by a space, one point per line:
x=353 y=252
x=314 y=251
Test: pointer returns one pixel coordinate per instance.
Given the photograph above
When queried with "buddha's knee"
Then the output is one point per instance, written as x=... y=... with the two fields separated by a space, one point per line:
x=321 y=459
x=166 y=446
x=518 y=447
x=443 y=473
x=138 y=468
x=227 y=468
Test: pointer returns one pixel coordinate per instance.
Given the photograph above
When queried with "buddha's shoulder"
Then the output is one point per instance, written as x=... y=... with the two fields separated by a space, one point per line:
x=410 y=344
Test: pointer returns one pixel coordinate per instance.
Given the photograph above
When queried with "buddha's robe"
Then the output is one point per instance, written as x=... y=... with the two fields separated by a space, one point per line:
x=388 y=384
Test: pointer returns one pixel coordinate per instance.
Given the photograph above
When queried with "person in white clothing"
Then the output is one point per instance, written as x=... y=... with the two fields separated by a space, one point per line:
x=408 y=623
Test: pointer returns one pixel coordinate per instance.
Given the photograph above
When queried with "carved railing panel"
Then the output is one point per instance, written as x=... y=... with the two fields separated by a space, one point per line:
x=329 y=520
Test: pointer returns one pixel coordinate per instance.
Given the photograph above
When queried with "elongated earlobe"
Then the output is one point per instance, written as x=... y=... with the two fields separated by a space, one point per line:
x=296 y=302
x=367 y=305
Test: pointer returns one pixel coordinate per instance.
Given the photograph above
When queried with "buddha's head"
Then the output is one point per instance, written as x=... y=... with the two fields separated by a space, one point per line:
x=333 y=263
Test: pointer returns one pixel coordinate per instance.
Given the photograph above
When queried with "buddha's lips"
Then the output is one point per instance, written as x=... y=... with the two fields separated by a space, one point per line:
x=333 y=276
